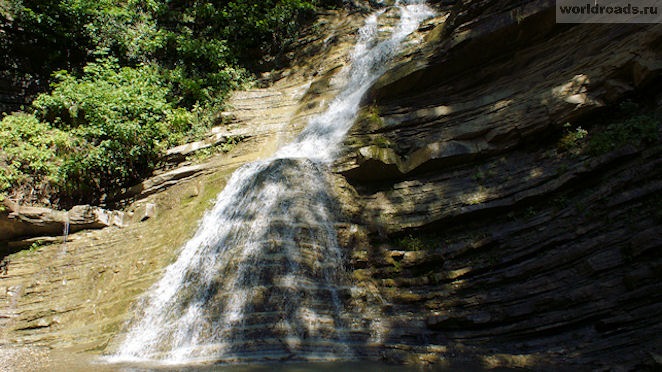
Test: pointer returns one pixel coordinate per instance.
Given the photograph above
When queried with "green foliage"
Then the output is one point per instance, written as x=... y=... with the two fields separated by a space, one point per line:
x=105 y=96
x=418 y=242
x=123 y=120
x=87 y=25
x=224 y=147
x=35 y=246
x=630 y=124
x=131 y=78
x=372 y=115
x=267 y=24
x=633 y=128
x=369 y=118
x=411 y=243
x=245 y=24
x=199 y=44
x=190 y=88
x=230 y=144
x=572 y=138
x=30 y=152
x=95 y=134
x=382 y=142
x=205 y=42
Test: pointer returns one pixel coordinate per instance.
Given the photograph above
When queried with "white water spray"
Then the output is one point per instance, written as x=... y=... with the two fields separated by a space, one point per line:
x=261 y=278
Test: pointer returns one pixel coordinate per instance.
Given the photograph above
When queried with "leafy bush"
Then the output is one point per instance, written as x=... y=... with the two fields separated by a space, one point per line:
x=94 y=134
x=105 y=95
x=30 y=152
x=267 y=25
x=123 y=120
x=140 y=76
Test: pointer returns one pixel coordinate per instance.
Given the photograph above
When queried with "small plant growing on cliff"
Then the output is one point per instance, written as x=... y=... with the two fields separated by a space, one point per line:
x=231 y=143
x=397 y=266
x=382 y=142
x=413 y=242
x=35 y=246
x=635 y=129
x=573 y=139
x=370 y=117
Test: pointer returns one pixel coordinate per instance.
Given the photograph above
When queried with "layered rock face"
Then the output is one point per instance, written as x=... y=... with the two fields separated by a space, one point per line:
x=498 y=227
x=480 y=229
x=18 y=221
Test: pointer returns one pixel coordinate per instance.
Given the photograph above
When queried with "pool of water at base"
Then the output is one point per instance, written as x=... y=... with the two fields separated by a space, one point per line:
x=45 y=359
x=358 y=366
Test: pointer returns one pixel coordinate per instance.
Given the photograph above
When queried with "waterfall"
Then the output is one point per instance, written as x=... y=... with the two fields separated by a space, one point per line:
x=262 y=278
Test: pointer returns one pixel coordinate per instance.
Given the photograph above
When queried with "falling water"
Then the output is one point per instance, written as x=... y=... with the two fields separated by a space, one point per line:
x=262 y=277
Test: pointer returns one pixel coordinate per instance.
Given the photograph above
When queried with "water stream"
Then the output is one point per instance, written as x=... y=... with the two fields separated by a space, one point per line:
x=262 y=278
